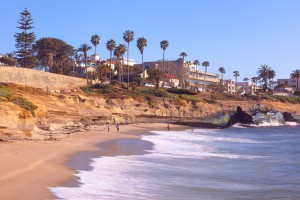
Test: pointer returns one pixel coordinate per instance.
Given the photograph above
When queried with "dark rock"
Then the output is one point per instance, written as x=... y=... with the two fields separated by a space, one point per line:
x=239 y=117
x=288 y=117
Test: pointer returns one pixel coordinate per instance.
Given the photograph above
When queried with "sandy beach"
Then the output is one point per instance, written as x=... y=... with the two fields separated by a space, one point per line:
x=28 y=168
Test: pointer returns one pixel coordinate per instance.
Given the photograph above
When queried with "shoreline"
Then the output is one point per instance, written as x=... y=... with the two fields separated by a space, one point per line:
x=31 y=167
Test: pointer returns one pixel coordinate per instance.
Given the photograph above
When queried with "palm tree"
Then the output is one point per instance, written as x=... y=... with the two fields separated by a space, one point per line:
x=205 y=64
x=128 y=37
x=164 y=45
x=119 y=52
x=183 y=55
x=84 y=48
x=110 y=45
x=197 y=63
x=254 y=81
x=222 y=71
x=264 y=73
x=95 y=40
x=236 y=74
x=296 y=75
x=141 y=43
x=246 y=79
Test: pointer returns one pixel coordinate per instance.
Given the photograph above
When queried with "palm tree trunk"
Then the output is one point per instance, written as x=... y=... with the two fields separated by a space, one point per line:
x=236 y=85
x=128 y=68
x=164 y=60
x=110 y=77
x=143 y=81
x=86 y=72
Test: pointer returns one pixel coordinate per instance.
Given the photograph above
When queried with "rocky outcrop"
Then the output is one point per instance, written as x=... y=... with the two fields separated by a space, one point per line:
x=288 y=117
x=239 y=117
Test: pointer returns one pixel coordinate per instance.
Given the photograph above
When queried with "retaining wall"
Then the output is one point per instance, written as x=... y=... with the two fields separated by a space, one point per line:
x=39 y=79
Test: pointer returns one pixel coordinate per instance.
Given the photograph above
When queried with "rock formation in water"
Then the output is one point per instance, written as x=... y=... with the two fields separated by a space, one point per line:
x=239 y=117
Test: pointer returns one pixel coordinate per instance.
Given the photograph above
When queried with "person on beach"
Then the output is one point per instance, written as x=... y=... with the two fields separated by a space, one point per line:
x=107 y=127
x=168 y=126
x=117 y=126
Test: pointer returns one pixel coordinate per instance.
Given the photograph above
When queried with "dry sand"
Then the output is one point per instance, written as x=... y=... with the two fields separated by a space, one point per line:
x=28 y=168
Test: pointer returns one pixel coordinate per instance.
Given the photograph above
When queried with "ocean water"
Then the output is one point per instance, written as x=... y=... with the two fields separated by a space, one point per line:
x=235 y=163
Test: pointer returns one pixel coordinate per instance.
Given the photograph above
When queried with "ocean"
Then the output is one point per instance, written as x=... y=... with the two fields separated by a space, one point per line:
x=195 y=164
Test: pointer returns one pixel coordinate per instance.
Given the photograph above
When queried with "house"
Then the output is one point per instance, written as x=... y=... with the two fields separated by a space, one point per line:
x=246 y=87
x=289 y=82
x=80 y=71
x=229 y=86
x=187 y=73
x=170 y=81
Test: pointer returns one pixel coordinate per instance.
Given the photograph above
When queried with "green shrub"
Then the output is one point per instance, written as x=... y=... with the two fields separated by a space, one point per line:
x=180 y=91
x=5 y=92
x=150 y=102
x=189 y=97
x=24 y=103
x=154 y=92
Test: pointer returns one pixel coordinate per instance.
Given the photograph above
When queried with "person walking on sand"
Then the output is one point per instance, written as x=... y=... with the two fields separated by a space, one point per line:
x=118 y=126
x=107 y=127
x=168 y=126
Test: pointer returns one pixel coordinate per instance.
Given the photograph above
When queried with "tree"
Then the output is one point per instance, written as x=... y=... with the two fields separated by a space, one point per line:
x=128 y=37
x=102 y=71
x=246 y=79
x=119 y=53
x=164 y=45
x=84 y=48
x=254 y=81
x=197 y=63
x=183 y=55
x=54 y=53
x=110 y=45
x=141 y=43
x=205 y=64
x=155 y=76
x=95 y=40
x=25 y=40
x=8 y=59
x=222 y=71
x=236 y=74
x=265 y=73
x=296 y=75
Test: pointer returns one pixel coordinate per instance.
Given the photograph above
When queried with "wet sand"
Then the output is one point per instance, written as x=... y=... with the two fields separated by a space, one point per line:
x=28 y=168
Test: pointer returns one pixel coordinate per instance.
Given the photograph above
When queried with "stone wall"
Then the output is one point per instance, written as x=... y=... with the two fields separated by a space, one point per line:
x=39 y=79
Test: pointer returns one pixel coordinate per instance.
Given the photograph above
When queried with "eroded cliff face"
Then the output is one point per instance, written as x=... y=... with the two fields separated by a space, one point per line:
x=61 y=114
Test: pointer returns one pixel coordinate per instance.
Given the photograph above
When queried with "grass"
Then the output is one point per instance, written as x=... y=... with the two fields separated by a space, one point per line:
x=274 y=98
x=180 y=96
x=6 y=94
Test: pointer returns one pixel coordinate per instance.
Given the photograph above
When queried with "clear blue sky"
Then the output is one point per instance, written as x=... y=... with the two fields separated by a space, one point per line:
x=235 y=34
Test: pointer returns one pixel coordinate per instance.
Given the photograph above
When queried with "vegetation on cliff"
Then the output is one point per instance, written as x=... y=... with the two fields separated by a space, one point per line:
x=7 y=94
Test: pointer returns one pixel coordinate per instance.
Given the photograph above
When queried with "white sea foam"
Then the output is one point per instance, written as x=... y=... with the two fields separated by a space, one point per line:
x=274 y=124
x=131 y=177
x=185 y=144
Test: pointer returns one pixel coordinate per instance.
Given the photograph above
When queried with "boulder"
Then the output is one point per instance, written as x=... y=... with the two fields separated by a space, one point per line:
x=288 y=117
x=239 y=117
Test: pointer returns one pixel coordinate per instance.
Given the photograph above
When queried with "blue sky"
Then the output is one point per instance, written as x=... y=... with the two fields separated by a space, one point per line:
x=235 y=34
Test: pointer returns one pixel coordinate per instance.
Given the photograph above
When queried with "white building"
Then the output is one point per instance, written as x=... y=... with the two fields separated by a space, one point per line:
x=246 y=87
x=124 y=61
x=229 y=86
x=1 y=55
